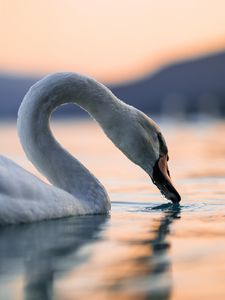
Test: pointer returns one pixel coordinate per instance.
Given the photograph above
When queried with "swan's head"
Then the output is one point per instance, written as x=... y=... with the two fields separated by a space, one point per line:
x=148 y=149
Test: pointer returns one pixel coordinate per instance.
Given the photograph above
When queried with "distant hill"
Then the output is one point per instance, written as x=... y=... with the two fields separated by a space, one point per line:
x=191 y=86
x=184 y=88
x=12 y=90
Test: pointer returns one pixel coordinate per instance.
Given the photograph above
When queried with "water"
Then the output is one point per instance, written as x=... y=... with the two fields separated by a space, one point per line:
x=146 y=248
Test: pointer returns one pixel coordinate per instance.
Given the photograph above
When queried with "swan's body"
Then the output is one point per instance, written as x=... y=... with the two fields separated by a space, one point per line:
x=75 y=191
x=25 y=198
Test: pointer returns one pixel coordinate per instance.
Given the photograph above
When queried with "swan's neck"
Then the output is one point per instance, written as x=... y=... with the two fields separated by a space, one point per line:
x=62 y=169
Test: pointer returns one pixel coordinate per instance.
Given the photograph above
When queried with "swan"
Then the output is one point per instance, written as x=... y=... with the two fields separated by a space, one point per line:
x=74 y=190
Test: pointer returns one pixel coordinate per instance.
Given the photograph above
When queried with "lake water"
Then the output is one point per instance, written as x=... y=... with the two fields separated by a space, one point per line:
x=146 y=248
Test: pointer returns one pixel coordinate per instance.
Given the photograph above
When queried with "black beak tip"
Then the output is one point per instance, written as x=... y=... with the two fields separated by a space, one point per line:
x=168 y=191
x=175 y=198
x=171 y=193
x=163 y=182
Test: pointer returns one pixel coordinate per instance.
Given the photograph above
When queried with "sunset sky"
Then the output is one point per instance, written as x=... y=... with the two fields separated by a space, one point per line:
x=111 y=40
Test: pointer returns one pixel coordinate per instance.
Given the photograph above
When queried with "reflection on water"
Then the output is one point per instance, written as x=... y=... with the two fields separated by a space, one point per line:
x=44 y=254
x=154 y=282
x=146 y=248
x=40 y=252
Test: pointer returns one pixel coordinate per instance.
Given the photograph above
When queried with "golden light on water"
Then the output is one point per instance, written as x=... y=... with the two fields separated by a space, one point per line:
x=110 y=40
x=136 y=251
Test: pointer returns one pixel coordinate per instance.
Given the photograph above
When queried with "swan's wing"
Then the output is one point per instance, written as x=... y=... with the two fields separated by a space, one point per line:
x=25 y=198
x=16 y=181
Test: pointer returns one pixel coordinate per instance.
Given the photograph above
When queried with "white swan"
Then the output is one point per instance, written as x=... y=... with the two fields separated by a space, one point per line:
x=75 y=191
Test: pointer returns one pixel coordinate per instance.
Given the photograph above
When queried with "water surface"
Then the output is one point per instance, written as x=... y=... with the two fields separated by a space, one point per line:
x=146 y=248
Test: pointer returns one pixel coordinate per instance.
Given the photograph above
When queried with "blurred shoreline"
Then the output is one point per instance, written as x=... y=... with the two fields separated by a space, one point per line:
x=182 y=91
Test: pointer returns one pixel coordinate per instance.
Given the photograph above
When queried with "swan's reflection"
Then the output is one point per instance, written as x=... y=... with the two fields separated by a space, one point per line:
x=123 y=263
x=43 y=251
x=161 y=265
x=145 y=271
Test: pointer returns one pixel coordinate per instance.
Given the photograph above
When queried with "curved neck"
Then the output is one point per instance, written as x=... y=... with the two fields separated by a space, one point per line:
x=62 y=169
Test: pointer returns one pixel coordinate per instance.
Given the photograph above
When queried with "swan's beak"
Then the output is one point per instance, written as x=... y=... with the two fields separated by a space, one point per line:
x=161 y=178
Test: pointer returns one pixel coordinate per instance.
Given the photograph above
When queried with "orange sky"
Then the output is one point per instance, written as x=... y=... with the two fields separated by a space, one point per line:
x=111 y=40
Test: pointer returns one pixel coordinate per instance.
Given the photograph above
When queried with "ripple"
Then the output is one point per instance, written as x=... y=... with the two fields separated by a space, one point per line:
x=194 y=207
